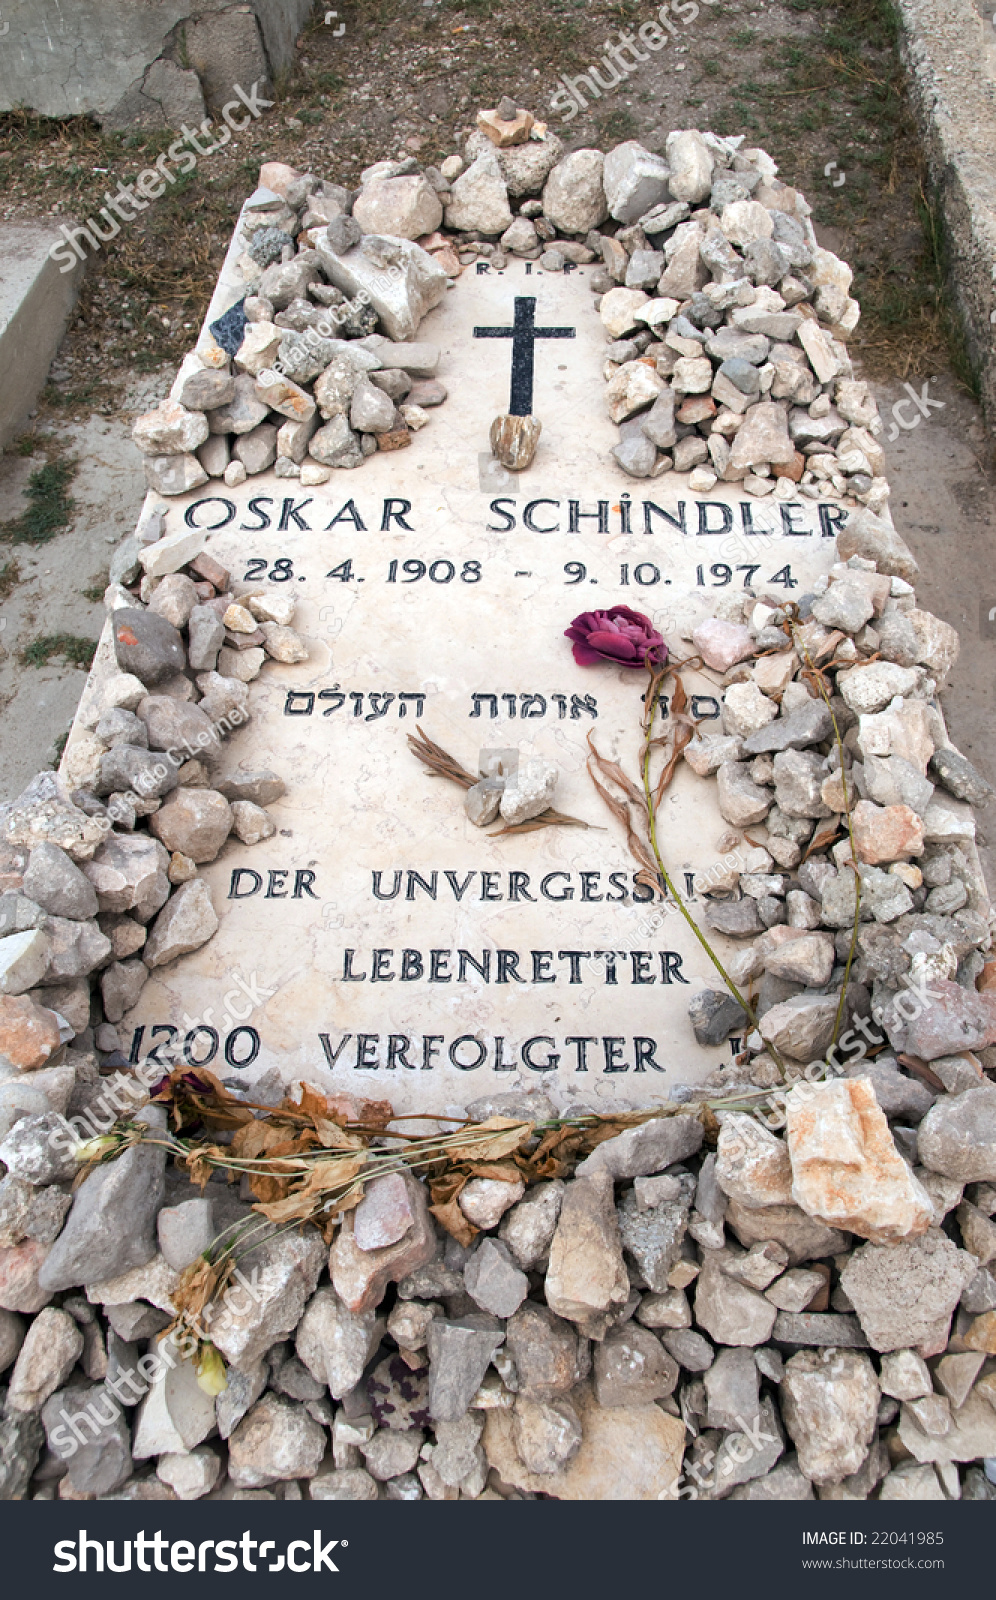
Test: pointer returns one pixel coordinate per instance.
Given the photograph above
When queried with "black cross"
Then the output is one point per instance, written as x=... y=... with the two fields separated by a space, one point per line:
x=523 y=335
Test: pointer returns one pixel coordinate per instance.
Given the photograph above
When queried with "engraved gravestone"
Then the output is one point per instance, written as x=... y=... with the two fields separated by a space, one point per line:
x=379 y=940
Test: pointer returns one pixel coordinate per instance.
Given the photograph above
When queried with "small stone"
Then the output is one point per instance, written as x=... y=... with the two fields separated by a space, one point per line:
x=830 y=1405
x=56 y=883
x=190 y=1476
x=586 y=1274
x=795 y=1289
x=514 y=440
x=752 y=1165
x=846 y=1170
x=714 y=1015
x=746 y=710
x=186 y=922
x=29 y=1033
x=111 y=1226
x=650 y=1147
x=547 y=1433
x=459 y=1354
x=194 y=821
x=528 y=1228
x=360 y=1276
x=574 y=197
x=905 y=1375
x=50 y=1350
x=334 y=1343
x=276 y=1440
x=722 y=644
x=185 y=1231
x=484 y=1201
x=546 y=1351
x=904 y=1294
x=632 y=1368
x=250 y=823
x=653 y=1236
x=147 y=646
x=493 y=1281
x=730 y=1312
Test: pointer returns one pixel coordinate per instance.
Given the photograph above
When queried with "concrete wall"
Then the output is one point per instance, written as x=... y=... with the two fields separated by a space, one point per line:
x=950 y=53
x=35 y=302
x=137 y=63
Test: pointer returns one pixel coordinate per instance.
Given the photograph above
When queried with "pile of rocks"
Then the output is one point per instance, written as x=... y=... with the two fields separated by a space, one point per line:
x=791 y=891
x=293 y=376
x=99 y=863
x=727 y=321
x=767 y=1320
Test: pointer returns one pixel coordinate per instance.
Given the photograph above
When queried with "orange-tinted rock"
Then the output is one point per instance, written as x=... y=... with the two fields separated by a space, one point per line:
x=29 y=1033
x=886 y=833
x=846 y=1170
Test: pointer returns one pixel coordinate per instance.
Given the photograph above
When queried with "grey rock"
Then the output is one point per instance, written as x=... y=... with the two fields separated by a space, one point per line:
x=179 y=725
x=732 y=1388
x=35 y=1150
x=111 y=1227
x=652 y=1237
x=335 y=1343
x=783 y=1482
x=459 y=1355
x=120 y=986
x=730 y=1312
x=262 y=788
x=690 y=1349
x=819 y=1328
x=493 y=1280
x=127 y=767
x=957 y=1137
x=904 y=1294
x=336 y=445
x=257 y=449
x=54 y=882
x=810 y=725
x=742 y=802
x=147 y=646
x=805 y=1238
x=528 y=1227
x=548 y=1355
x=129 y=874
x=738 y=919
x=21 y=1440
x=185 y=1231
x=119 y=726
x=243 y=412
x=651 y=1147
x=658 y=424
x=276 y=1440
x=632 y=1368
x=186 y=922
x=959 y=777
x=244 y=1388
x=205 y=637
x=371 y=410
x=715 y=1015
x=799 y=777
x=830 y=1405
x=102 y=1462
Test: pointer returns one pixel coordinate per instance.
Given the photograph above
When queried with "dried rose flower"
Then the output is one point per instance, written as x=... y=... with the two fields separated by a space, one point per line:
x=625 y=637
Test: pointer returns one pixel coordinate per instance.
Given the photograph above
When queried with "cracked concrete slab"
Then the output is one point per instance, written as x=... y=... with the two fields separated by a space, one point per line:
x=69 y=60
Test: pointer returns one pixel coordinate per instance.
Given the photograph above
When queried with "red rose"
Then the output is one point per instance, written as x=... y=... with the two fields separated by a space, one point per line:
x=625 y=637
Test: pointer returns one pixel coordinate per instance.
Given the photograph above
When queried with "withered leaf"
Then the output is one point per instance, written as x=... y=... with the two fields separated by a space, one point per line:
x=493 y=1139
